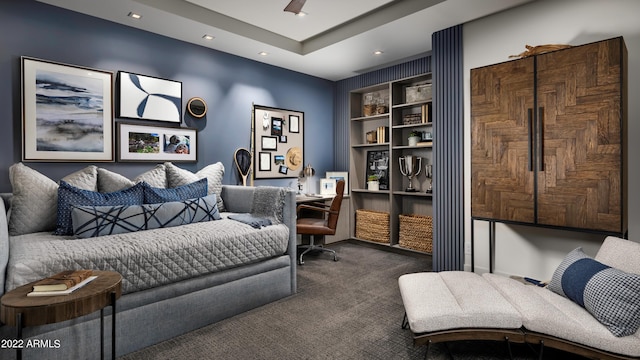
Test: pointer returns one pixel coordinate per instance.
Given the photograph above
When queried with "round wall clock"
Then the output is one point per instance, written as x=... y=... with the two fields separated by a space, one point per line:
x=197 y=107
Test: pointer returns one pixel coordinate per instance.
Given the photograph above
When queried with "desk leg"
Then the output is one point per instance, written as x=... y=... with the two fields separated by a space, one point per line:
x=19 y=335
x=113 y=325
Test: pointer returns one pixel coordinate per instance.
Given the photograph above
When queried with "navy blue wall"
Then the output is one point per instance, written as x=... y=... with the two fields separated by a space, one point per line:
x=229 y=84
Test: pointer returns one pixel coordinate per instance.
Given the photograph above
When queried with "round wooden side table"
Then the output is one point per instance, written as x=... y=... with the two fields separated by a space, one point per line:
x=19 y=310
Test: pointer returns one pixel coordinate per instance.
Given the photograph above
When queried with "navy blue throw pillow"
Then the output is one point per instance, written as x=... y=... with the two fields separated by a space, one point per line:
x=70 y=196
x=196 y=189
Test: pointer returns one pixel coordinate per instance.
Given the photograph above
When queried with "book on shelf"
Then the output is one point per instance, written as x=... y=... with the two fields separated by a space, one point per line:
x=383 y=134
x=426 y=113
x=424 y=143
x=62 y=281
x=63 y=292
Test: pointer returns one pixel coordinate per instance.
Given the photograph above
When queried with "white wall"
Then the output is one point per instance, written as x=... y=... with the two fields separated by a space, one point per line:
x=530 y=251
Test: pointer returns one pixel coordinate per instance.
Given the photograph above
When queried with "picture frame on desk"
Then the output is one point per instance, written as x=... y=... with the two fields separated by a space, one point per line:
x=340 y=175
x=327 y=186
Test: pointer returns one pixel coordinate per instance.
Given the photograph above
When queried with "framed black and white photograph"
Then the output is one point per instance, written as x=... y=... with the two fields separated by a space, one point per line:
x=378 y=166
x=294 y=123
x=340 y=175
x=149 y=98
x=269 y=143
x=156 y=143
x=272 y=133
x=67 y=112
x=265 y=161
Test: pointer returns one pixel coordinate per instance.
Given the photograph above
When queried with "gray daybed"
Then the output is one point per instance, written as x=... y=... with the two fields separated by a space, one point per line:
x=175 y=279
x=458 y=305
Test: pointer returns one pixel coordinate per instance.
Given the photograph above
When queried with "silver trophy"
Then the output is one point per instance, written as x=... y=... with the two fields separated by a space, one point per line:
x=410 y=166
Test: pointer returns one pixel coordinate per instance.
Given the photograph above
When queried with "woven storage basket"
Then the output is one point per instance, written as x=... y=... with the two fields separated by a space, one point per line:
x=372 y=225
x=416 y=232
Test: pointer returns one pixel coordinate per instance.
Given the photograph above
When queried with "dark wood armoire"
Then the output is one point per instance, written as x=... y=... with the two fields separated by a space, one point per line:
x=548 y=139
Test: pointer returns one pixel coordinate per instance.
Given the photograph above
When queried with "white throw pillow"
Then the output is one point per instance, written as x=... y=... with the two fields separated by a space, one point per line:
x=213 y=173
x=35 y=197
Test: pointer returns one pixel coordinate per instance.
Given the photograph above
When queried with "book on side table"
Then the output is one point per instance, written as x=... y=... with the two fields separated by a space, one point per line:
x=62 y=283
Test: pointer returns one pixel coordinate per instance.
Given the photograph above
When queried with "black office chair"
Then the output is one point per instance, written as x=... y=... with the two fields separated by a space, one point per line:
x=315 y=220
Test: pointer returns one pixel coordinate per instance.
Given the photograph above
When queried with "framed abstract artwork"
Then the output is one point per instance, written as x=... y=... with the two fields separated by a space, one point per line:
x=67 y=112
x=149 y=98
x=156 y=143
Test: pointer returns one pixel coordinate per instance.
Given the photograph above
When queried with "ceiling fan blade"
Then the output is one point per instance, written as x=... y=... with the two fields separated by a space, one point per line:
x=295 y=6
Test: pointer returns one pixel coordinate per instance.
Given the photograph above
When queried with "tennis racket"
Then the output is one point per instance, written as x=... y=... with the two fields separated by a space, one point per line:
x=242 y=158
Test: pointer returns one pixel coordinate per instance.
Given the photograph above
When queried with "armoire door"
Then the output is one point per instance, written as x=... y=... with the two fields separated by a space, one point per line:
x=579 y=124
x=502 y=161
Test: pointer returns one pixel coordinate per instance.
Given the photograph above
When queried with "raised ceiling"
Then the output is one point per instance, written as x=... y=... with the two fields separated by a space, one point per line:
x=335 y=40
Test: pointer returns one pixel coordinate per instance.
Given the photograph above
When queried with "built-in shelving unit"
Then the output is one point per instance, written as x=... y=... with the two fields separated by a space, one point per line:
x=382 y=117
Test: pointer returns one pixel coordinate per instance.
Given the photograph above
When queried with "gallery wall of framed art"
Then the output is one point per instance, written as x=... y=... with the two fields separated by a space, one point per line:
x=278 y=142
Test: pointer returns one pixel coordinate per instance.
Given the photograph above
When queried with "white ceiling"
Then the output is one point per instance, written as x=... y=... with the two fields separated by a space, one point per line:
x=336 y=39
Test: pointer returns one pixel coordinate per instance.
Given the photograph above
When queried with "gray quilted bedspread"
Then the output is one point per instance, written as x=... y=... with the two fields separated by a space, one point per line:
x=149 y=258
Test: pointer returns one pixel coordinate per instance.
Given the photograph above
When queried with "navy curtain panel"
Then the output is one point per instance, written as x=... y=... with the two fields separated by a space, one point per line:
x=448 y=181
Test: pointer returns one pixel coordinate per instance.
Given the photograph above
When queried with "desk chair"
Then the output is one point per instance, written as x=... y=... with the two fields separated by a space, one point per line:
x=315 y=220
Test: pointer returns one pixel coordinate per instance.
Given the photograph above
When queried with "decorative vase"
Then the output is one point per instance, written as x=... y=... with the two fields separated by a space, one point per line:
x=373 y=185
x=413 y=141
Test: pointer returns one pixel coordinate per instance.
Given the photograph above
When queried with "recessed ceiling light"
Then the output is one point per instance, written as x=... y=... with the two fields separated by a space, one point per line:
x=378 y=52
x=207 y=37
x=134 y=15
x=301 y=14
x=263 y=53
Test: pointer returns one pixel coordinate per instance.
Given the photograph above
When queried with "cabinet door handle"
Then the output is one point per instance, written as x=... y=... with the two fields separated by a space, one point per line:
x=530 y=139
x=541 y=137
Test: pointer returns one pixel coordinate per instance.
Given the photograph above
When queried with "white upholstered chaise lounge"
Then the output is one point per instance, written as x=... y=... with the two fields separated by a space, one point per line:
x=457 y=305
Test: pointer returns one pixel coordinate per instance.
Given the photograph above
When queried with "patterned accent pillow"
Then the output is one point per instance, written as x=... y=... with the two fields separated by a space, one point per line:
x=92 y=221
x=35 y=197
x=214 y=173
x=612 y=296
x=154 y=195
x=70 y=196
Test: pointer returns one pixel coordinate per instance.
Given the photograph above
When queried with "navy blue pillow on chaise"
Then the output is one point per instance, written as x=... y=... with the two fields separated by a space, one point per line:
x=612 y=296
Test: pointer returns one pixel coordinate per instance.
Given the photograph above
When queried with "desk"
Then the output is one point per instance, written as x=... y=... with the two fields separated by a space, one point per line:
x=306 y=198
x=19 y=310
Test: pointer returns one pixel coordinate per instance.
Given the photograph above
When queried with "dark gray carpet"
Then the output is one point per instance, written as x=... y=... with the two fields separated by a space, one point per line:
x=350 y=309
